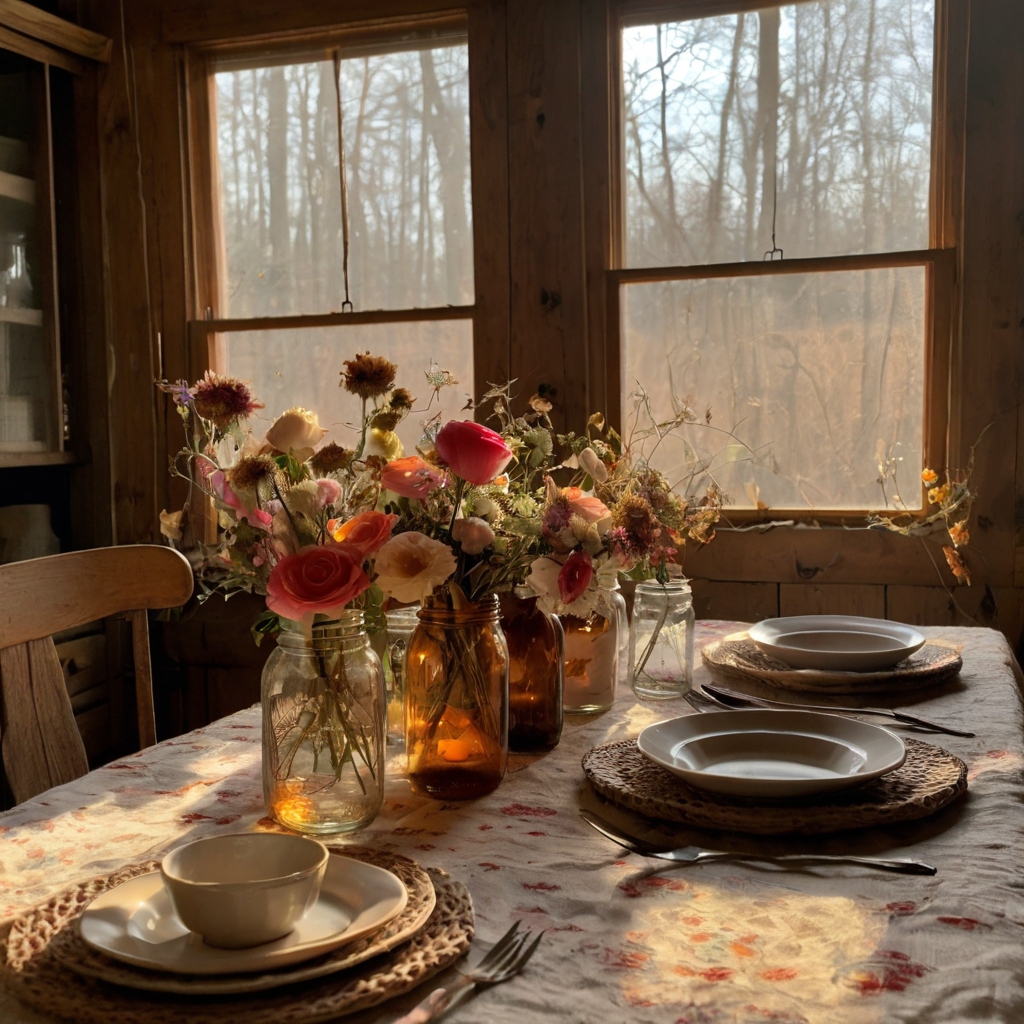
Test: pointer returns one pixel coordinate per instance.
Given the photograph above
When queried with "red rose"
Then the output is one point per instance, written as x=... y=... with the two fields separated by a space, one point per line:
x=367 y=531
x=575 y=576
x=410 y=477
x=320 y=578
x=474 y=452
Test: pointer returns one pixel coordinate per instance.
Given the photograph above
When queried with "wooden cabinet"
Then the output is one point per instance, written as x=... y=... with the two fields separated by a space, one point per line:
x=32 y=427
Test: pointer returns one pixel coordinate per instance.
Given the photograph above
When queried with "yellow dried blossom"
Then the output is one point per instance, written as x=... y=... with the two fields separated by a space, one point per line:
x=929 y=477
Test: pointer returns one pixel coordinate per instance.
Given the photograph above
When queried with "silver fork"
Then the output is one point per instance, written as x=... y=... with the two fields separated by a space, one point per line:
x=506 y=958
x=696 y=855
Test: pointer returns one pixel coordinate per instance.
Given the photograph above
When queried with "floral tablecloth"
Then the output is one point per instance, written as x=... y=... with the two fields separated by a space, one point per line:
x=627 y=939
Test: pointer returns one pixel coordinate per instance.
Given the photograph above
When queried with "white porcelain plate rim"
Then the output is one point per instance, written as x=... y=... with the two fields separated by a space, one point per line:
x=371 y=896
x=770 y=636
x=883 y=750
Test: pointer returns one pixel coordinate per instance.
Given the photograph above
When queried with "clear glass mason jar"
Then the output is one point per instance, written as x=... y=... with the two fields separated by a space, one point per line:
x=456 y=701
x=661 y=639
x=401 y=624
x=595 y=659
x=323 y=728
x=536 y=673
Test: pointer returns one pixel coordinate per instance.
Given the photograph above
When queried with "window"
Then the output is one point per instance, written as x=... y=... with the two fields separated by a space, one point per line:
x=777 y=260
x=340 y=190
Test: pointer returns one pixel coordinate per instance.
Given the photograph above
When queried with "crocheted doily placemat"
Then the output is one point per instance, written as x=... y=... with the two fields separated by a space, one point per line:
x=929 y=779
x=433 y=931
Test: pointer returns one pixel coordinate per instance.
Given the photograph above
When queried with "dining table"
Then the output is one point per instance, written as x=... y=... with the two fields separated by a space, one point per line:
x=628 y=938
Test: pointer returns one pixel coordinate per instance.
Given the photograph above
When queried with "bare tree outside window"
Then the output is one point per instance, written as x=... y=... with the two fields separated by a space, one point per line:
x=810 y=123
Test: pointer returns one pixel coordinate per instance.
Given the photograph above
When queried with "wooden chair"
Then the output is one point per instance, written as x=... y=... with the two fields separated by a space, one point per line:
x=40 y=741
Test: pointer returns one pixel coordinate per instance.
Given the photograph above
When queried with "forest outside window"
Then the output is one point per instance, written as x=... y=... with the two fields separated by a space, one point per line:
x=776 y=191
x=326 y=249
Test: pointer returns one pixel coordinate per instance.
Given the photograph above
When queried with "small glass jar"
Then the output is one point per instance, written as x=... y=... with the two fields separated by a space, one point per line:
x=456 y=701
x=401 y=624
x=594 y=655
x=535 y=675
x=323 y=728
x=661 y=640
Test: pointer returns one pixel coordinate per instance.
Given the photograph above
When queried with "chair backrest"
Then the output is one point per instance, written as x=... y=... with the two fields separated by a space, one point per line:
x=40 y=742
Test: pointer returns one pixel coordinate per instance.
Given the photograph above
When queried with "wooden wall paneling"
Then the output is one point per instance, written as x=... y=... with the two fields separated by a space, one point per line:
x=131 y=339
x=489 y=148
x=745 y=602
x=999 y=608
x=83 y=319
x=161 y=97
x=844 y=599
x=599 y=46
x=993 y=257
x=804 y=555
x=35 y=50
x=546 y=205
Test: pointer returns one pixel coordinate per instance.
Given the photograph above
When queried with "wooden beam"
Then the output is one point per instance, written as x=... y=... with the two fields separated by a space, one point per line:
x=767 y=268
x=48 y=28
x=35 y=50
x=306 y=320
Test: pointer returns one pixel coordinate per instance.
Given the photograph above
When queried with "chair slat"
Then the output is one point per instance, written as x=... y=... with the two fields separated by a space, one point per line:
x=143 y=678
x=65 y=751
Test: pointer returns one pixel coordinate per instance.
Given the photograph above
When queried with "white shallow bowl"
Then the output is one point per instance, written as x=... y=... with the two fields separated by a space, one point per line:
x=136 y=924
x=244 y=890
x=849 y=643
x=772 y=753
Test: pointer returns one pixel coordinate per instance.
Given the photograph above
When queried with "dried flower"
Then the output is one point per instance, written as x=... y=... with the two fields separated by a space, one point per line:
x=386 y=419
x=402 y=399
x=938 y=495
x=170 y=524
x=540 y=405
x=636 y=528
x=223 y=400
x=331 y=458
x=250 y=471
x=959 y=534
x=929 y=477
x=368 y=376
x=591 y=462
x=957 y=565
x=411 y=565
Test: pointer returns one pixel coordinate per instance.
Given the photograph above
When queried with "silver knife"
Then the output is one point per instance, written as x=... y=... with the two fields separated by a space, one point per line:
x=732 y=697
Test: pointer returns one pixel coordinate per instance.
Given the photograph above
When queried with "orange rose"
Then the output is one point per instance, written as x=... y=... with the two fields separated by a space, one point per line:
x=367 y=531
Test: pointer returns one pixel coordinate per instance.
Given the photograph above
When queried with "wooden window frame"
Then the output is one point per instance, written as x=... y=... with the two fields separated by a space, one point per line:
x=489 y=312
x=940 y=260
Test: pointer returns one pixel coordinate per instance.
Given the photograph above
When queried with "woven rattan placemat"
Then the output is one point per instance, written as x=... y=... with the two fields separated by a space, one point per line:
x=739 y=658
x=930 y=779
x=38 y=978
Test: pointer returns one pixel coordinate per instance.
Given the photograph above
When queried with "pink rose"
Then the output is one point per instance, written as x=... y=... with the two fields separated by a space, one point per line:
x=474 y=452
x=368 y=531
x=321 y=578
x=575 y=576
x=328 y=492
x=410 y=477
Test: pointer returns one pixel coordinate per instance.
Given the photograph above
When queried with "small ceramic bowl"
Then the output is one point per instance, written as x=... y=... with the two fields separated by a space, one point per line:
x=243 y=890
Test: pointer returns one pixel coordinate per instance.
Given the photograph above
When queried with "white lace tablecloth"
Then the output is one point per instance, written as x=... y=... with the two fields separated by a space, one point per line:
x=630 y=940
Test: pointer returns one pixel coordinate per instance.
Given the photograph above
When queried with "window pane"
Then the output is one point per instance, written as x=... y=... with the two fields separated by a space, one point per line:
x=828 y=101
x=303 y=367
x=820 y=375
x=406 y=129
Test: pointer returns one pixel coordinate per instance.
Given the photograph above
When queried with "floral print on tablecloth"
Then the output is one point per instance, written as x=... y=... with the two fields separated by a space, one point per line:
x=630 y=939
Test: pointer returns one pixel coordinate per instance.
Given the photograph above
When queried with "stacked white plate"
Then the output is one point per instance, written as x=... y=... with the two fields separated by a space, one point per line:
x=773 y=754
x=843 y=643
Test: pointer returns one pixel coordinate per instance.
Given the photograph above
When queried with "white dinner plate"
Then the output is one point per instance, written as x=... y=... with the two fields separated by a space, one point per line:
x=772 y=753
x=849 y=643
x=135 y=923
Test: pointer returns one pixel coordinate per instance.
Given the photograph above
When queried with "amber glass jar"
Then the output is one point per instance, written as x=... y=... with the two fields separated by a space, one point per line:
x=456 y=701
x=535 y=674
